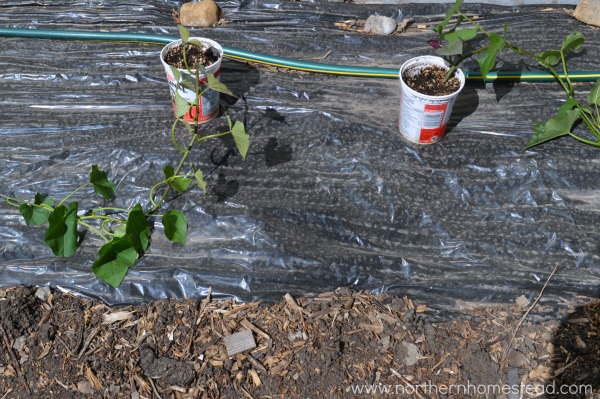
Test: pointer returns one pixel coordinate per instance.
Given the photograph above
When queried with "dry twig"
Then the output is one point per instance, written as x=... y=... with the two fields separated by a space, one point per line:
x=13 y=358
x=502 y=363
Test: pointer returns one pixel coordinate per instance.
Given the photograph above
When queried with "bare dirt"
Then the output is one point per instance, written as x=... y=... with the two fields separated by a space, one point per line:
x=341 y=344
x=431 y=80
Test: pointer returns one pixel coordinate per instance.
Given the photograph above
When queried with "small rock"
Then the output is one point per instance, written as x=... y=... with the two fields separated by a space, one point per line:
x=385 y=342
x=19 y=343
x=516 y=359
x=380 y=25
x=202 y=13
x=412 y=353
x=114 y=389
x=43 y=293
x=85 y=388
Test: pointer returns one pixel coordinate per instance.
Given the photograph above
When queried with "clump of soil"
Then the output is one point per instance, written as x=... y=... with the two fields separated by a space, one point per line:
x=429 y=80
x=195 y=56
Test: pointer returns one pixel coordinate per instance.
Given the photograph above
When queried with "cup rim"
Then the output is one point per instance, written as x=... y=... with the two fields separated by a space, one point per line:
x=430 y=59
x=213 y=44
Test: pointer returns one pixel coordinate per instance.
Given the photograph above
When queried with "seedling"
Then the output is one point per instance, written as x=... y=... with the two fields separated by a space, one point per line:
x=453 y=43
x=126 y=232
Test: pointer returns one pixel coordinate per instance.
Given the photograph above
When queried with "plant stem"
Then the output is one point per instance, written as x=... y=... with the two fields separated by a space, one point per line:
x=73 y=193
x=594 y=129
x=552 y=71
x=157 y=205
x=564 y=65
x=109 y=208
x=475 y=24
x=460 y=59
x=95 y=230
x=213 y=136
x=581 y=139
x=12 y=201
x=173 y=138
x=101 y=217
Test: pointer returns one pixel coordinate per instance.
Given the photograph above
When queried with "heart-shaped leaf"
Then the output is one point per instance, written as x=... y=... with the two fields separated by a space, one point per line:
x=573 y=42
x=550 y=57
x=216 y=85
x=169 y=171
x=36 y=215
x=182 y=106
x=61 y=235
x=467 y=33
x=488 y=60
x=137 y=229
x=114 y=260
x=200 y=180
x=102 y=185
x=594 y=96
x=181 y=183
x=176 y=225
x=558 y=126
x=241 y=138
x=454 y=47
x=176 y=73
x=178 y=183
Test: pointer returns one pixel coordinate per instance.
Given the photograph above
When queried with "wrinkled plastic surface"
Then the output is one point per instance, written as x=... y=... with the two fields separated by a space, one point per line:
x=330 y=194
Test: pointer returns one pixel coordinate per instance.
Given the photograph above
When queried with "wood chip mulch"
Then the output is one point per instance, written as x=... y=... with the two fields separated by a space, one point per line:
x=341 y=344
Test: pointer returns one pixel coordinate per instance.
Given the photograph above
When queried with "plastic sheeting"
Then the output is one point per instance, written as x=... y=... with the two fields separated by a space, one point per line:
x=330 y=194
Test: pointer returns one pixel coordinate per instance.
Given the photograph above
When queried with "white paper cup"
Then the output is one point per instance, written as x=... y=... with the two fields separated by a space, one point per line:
x=209 y=101
x=423 y=119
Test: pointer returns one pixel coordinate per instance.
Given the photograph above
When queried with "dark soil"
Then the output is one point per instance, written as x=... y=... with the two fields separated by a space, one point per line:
x=429 y=80
x=194 y=55
x=338 y=345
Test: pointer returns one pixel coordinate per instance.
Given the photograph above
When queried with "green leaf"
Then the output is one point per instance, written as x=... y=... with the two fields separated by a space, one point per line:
x=440 y=27
x=467 y=34
x=569 y=104
x=137 y=229
x=61 y=235
x=183 y=107
x=37 y=215
x=120 y=231
x=241 y=138
x=454 y=47
x=176 y=225
x=216 y=85
x=196 y=42
x=488 y=60
x=558 y=126
x=181 y=183
x=178 y=183
x=183 y=33
x=594 y=96
x=550 y=57
x=114 y=260
x=573 y=42
x=176 y=73
x=169 y=171
x=102 y=185
x=200 y=180
x=188 y=126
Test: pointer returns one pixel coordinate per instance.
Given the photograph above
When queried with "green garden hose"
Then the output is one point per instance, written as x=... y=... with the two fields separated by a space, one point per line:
x=316 y=67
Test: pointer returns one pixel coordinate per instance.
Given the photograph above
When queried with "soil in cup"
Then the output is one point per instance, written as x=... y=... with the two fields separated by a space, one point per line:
x=429 y=80
x=195 y=56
